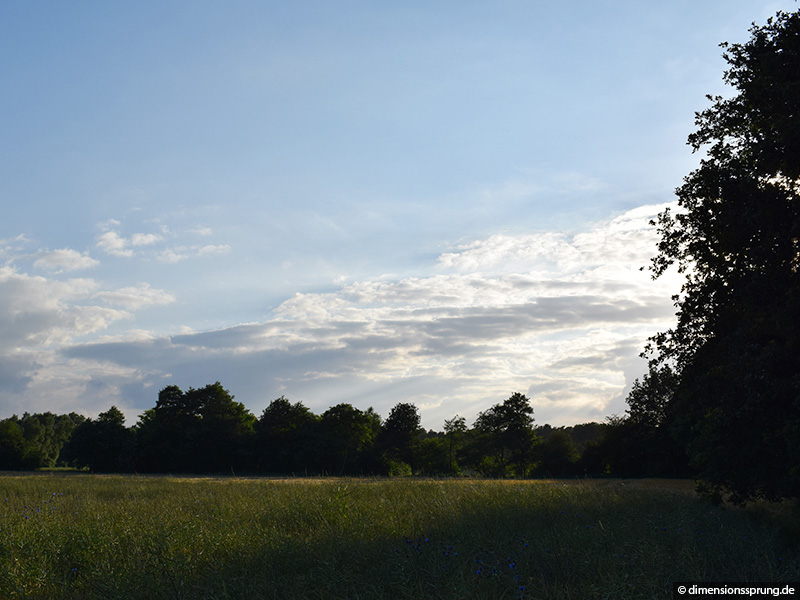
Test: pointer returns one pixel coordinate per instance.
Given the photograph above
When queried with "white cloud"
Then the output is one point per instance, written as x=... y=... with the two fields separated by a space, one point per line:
x=135 y=297
x=213 y=249
x=35 y=311
x=113 y=243
x=156 y=245
x=180 y=253
x=39 y=317
x=205 y=231
x=562 y=317
x=65 y=259
x=145 y=239
x=12 y=247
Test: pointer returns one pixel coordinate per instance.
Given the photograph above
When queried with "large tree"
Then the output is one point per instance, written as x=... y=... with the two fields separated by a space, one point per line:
x=398 y=434
x=736 y=238
x=225 y=434
x=506 y=436
x=346 y=439
x=103 y=444
x=284 y=437
x=199 y=430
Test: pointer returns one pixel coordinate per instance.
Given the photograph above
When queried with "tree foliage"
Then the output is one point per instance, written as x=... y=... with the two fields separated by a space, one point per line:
x=35 y=441
x=347 y=436
x=398 y=434
x=199 y=430
x=284 y=437
x=103 y=444
x=736 y=238
x=507 y=430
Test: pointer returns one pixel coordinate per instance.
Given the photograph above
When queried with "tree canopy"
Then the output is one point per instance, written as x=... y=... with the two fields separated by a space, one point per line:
x=508 y=430
x=736 y=238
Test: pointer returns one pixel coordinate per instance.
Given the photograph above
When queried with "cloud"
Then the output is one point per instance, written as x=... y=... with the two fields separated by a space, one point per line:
x=35 y=311
x=611 y=247
x=40 y=316
x=135 y=297
x=204 y=231
x=145 y=239
x=12 y=247
x=113 y=243
x=560 y=316
x=180 y=253
x=160 y=246
x=65 y=259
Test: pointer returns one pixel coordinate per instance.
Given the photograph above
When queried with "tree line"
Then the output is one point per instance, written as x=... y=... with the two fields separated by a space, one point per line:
x=206 y=431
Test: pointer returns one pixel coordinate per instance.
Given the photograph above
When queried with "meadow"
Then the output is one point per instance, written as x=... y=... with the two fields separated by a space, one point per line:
x=125 y=537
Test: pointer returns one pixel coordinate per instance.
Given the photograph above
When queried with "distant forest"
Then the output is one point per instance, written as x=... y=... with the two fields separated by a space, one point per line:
x=206 y=431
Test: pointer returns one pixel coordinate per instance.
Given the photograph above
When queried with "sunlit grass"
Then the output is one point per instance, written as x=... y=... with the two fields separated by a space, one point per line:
x=83 y=536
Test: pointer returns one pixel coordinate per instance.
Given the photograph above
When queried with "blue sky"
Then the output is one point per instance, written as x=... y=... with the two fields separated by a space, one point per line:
x=438 y=203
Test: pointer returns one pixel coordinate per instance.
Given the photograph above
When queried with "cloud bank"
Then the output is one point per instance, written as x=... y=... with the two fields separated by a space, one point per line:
x=561 y=317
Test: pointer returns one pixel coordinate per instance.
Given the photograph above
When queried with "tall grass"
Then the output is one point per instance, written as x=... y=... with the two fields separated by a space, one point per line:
x=141 y=537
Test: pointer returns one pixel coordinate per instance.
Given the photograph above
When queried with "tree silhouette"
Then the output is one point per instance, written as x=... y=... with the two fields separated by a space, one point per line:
x=398 y=433
x=346 y=439
x=736 y=238
x=103 y=444
x=507 y=434
x=285 y=437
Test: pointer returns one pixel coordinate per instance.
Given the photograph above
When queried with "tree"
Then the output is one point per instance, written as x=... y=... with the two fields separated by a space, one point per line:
x=200 y=430
x=557 y=455
x=646 y=431
x=454 y=430
x=507 y=433
x=35 y=440
x=12 y=445
x=225 y=432
x=398 y=433
x=736 y=238
x=649 y=398
x=431 y=455
x=346 y=438
x=104 y=444
x=284 y=433
x=166 y=433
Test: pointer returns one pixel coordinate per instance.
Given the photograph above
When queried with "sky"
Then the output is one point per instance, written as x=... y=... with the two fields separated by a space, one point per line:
x=440 y=203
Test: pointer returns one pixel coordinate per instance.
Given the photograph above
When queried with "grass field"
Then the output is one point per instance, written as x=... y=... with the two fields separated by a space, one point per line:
x=85 y=536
